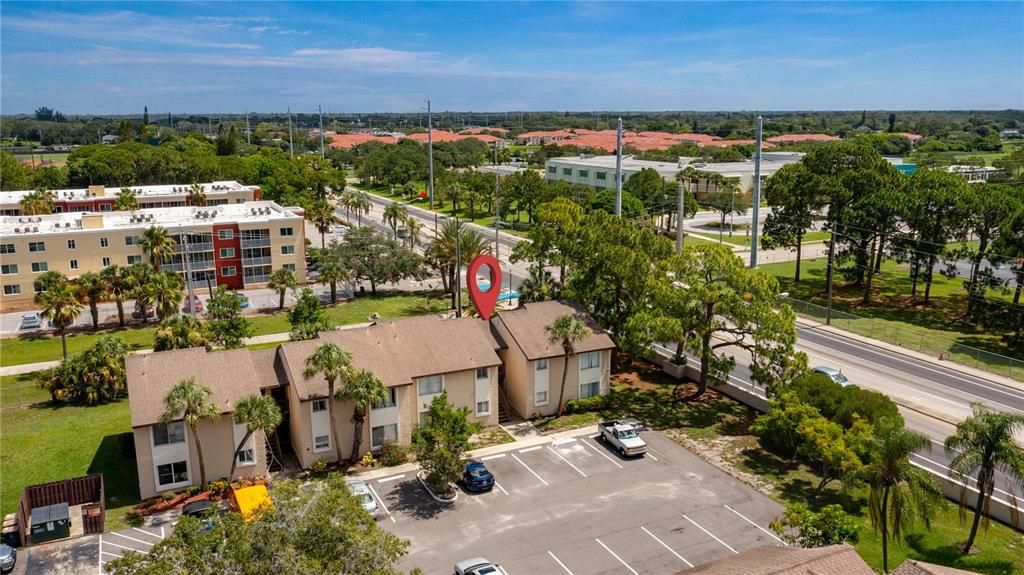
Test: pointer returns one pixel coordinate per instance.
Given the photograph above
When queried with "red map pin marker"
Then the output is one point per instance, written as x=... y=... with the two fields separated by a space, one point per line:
x=484 y=301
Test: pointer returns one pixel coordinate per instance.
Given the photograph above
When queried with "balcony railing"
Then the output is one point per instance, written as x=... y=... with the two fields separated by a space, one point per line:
x=257 y=279
x=265 y=261
x=196 y=266
x=256 y=242
x=194 y=247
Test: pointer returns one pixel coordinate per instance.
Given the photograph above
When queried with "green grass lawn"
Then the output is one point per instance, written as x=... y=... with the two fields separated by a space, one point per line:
x=21 y=390
x=46 y=443
x=893 y=317
x=479 y=216
x=998 y=551
x=33 y=349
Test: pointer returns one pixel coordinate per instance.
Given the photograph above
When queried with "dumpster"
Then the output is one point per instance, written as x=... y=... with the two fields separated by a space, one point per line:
x=50 y=522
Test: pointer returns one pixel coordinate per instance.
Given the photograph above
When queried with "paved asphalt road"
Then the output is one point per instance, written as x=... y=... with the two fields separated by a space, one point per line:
x=575 y=507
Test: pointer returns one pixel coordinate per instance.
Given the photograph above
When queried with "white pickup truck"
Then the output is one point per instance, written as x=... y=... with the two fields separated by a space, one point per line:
x=624 y=437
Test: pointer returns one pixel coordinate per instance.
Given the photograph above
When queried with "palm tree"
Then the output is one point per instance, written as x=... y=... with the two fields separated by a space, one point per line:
x=165 y=291
x=48 y=279
x=118 y=286
x=190 y=402
x=91 y=287
x=197 y=195
x=37 y=203
x=414 y=227
x=442 y=250
x=538 y=286
x=567 y=331
x=360 y=204
x=898 y=490
x=983 y=444
x=62 y=308
x=333 y=363
x=345 y=201
x=321 y=214
x=137 y=278
x=332 y=269
x=258 y=413
x=283 y=280
x=158 y=244
x=126 y=201
x=393 y=215
x=179 y=332
x=363 y=390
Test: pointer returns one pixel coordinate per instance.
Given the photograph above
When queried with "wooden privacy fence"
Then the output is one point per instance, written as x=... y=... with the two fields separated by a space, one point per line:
x=77 y=491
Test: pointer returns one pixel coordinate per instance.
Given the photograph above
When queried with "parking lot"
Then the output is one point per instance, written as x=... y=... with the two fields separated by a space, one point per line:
x=573 y=506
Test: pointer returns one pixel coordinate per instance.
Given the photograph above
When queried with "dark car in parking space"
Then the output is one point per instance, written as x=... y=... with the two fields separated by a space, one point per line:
x=203 y=510
x=476 y=478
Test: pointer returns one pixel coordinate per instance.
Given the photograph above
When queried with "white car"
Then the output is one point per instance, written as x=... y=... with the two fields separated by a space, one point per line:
x=31 y=321
x=362 y=492
x=834 y=374
x=478 y=566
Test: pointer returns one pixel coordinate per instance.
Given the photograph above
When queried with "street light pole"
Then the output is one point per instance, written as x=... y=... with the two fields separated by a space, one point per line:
x=757 y=194
x=248 y=130
x=188 y=278
x=679 y=218
x=430 y=160
x=497 y=202
x=458 y=267
x=618 y=171
x=321 y=112
x=291 y=145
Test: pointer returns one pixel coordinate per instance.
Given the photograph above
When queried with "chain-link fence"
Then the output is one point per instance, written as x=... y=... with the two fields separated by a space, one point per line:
x=910 y=337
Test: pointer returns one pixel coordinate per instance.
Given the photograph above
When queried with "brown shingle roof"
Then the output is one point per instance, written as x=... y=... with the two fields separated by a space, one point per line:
x=913 y=567
x=770 y=560
x=398 y=351
x=230 y=374
x=526 y=325
x=268 y=367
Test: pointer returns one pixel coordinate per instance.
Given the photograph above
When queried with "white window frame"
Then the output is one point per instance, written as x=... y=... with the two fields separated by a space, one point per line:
x=228 y=271
x=175 y=484
x=71 y=244
x=137 y=259
x=7 y=249
x=40 y=267
x=593 y=360
x=106 y=261
x=170 y=436
x=73 y=264
x=9 y=269
x=287 y=250
x=326 y=446
x=287 y=232
x=228 y=234
x=388 y=403
x=104 y=242
x=318 y=402
x=429 y=379
x=37 y=247
x=537 y=401
x=486 y=373
x=12 y=289
x=597 y=386
x=542 y=364
x=486 y=407
x=227 y=253
x=384 y=435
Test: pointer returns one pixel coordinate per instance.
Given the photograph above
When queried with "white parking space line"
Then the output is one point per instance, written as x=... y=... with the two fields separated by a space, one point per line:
x=498 y=485
x=123 y=547
x=162 y=532
x=552 y=450
x=747 y=519
x=391 y=478
x=624 y=564
x=140 y=541
x=712 y=535
x=560 y=564
x=670 y=550
x=563 y=441
x=528 y=449
x=651 y=455
x=144 y=532
x=654 y=451
x=495 y=456
x=530 y=470
x=381 y=502
x=111 y=554
x=604 y=455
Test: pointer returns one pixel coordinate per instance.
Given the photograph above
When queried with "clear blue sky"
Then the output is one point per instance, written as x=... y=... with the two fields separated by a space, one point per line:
x=220 y=57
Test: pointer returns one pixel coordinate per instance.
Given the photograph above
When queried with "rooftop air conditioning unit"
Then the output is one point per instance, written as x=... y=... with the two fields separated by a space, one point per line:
x=17 y=230
x=35 y=228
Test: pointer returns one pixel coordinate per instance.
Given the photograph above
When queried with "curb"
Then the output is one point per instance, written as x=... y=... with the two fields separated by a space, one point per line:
x=420 y=476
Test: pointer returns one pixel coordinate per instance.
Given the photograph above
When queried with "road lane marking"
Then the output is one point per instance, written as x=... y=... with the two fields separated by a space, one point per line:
x=712 y=535
x=670 y=550
x=528 y=449
x=604 y=455
x=391 y=478
x=963 y=478
x=747 y=519
x=560 y=564
x=566 y=460
x=381 y=503
x=500 y=487
x=495 y=456
x=919 y=365
x=624 y=564
x=528 y=469
x=140 y=541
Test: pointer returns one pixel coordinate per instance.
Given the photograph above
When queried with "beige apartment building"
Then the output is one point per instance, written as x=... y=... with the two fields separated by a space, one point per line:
x=236 y=245
x=101 y=199
x=489 y=367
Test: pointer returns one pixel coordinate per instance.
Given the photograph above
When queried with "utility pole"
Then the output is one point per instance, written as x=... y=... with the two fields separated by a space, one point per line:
x=497 y=202
x=757 y=199
x=321 y=112
x=430 y=161
x=248 y=131
x=291 y=146
x=679 y=218
x=830 y=272
x=188 y=277
x=618 y=171
x=458 y=267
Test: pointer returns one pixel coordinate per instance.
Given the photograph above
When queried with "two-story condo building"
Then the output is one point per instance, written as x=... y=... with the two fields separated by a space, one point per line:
x=102 y=199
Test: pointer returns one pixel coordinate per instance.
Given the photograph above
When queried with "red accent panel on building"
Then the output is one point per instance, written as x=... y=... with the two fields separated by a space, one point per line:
x=256 y=194
x=236 y=281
